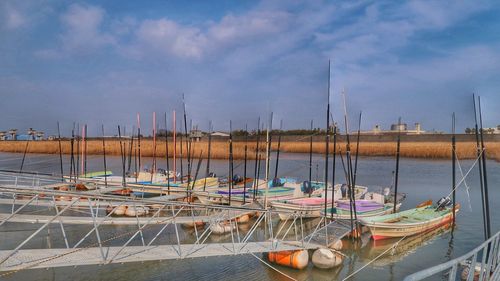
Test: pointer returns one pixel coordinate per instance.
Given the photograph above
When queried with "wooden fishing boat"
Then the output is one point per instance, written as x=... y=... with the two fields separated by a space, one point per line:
x=309 y=206
x=409 y=222
x=340 y=213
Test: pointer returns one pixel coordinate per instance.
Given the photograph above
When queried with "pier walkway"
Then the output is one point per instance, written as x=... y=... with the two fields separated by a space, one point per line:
x=168 y=232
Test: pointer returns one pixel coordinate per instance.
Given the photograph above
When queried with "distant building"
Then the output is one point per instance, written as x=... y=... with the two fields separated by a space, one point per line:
x=196 y=134
x=220 y=134
x=493 y=130
x=399 y=127
x=3 y=135
x=396 y=128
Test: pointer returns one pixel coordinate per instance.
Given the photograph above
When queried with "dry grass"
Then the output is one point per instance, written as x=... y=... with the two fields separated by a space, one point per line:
x=220 y=149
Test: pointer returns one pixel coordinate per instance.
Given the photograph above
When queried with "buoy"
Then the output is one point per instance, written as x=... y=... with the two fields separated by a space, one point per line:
x=466 y=272
x=81 y=187
x=109 y=209
x=221 y=228
x=120 y=211
x=337 y=245
x=243 y=219
x=326 y=258
x=194 y=224
x=136 y=211
x=294 y=259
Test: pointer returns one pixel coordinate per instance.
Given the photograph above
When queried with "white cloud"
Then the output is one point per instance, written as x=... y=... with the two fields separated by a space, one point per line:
x=168 y=36
x=82 y=33
x=13 y=18
x=82 y=26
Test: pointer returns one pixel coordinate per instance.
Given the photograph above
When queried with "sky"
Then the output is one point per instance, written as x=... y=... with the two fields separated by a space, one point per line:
x=102 y=62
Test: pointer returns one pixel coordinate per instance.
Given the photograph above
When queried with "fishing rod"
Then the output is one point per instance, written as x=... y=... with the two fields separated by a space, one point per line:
x=278 y=150
x=327 y=140
x=166 y=155
x=207 y=172
x=245 y=166
x=333 y=165
x=104 y=157
x=60 y=151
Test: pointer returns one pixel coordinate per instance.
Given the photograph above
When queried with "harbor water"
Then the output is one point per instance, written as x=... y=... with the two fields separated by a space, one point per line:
x=419 y=179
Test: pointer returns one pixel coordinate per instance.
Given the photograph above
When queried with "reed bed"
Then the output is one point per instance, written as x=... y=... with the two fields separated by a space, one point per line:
x=220 y=149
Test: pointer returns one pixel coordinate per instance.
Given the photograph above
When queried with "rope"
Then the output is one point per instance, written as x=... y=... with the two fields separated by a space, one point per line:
x=272 y=267
x=377 y=257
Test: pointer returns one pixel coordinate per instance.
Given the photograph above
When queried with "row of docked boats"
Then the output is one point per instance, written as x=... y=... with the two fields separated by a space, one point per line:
x=289 y=197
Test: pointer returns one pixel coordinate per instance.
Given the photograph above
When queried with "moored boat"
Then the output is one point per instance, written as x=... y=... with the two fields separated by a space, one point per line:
x=409 y=222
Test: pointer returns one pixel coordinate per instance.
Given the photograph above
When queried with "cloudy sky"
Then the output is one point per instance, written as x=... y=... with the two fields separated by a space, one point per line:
x=103 y=61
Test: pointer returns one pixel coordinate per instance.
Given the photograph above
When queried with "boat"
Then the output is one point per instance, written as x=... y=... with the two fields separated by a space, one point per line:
x=410 y=222
x=310 y=206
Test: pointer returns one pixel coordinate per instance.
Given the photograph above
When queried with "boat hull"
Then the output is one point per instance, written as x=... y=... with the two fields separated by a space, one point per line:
x=380 y=231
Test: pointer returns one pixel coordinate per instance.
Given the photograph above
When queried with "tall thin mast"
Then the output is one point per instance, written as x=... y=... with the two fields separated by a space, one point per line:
x=166 y=154
x=245 y=166
x=256 y=171
x=310 y=154
x=230 y=160
x=139 y=140
x=175 y=145
x=60 y=151
x=453 y=162
x=485 y=180
x=333 y=165
x=278 y=150
x=268 y=149
x=398 y=148
x=104 y=158
x=327 y=140
x=187 y=141
x=153 y=168
x=207 y=172
x=480 y=164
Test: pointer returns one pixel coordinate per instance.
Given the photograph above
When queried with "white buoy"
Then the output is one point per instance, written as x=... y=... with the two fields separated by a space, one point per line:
x=120 y=211
x=337 y=245
x=326 y=258
x=243 y=219
x=221 y=228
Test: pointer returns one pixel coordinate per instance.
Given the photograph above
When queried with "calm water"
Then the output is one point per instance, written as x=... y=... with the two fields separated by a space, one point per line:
x=419 y=179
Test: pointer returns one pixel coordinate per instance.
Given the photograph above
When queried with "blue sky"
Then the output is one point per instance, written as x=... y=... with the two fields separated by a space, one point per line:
x=103 y=61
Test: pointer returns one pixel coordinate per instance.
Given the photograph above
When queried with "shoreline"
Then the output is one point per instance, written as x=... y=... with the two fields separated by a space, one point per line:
x=220 y=148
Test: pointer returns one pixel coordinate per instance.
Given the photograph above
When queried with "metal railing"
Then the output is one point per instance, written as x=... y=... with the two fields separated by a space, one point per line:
x=468 y=267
